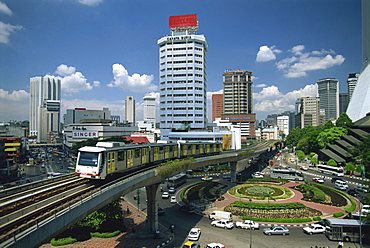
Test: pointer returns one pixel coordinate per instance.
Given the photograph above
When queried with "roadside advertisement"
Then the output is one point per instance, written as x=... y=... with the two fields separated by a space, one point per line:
x=84 y=134
x=226 y=141
x=274 y=162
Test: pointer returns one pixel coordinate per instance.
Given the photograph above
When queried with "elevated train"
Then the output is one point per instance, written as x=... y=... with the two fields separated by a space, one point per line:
x=107 y=158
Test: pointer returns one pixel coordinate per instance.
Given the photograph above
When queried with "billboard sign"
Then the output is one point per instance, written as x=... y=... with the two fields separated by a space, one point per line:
x=84 y=134
x=182 y=21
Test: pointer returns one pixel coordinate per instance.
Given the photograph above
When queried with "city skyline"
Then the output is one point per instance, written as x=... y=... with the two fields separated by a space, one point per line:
x=103 y=55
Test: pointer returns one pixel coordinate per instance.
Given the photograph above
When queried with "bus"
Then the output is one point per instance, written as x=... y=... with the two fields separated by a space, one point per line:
x=348 y=230
x=177 y=180
x=333 y=170
x=286 y=174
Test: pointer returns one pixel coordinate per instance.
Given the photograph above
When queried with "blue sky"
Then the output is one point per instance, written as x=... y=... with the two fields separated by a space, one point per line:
x=105 y=50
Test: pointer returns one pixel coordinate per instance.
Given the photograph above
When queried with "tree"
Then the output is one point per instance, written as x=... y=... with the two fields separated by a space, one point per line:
x=344 y=121
x=361 y=152
x=350 y=167
x=332 y=162
x=327 y=136
x=301 y=155
x=329 y=124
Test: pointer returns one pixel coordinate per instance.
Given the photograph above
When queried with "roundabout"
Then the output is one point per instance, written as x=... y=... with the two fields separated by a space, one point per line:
x=261 y=192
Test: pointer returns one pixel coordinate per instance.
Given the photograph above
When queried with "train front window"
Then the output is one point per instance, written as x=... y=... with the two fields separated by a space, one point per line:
x=88 y=158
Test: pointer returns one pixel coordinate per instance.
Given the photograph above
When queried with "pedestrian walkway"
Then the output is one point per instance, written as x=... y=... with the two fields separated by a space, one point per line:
x=136 y=236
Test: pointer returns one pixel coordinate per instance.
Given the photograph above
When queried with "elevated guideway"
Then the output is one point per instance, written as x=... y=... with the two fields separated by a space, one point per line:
x=43 y=228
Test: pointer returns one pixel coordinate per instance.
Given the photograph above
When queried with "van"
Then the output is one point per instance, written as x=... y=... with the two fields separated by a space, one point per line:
x=342 y=185
x=221 y=215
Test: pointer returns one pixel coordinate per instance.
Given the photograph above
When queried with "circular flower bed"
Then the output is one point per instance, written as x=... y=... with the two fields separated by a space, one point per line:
x=261 y=192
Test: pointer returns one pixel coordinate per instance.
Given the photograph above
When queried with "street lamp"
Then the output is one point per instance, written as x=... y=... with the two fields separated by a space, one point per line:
x=250 y=223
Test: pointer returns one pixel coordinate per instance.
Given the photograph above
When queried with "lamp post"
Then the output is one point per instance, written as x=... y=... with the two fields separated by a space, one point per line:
x=250 y=223
x=360 y=228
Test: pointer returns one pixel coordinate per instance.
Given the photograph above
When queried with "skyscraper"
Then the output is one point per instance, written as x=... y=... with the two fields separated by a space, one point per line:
x=308 y=112
x=182 y=83
x=328 y=91
x=351 y=83
x=238 y=101
x=149 y=108
x=45 y=108
x=359 y=105
x=217 y=105
x=130 y=109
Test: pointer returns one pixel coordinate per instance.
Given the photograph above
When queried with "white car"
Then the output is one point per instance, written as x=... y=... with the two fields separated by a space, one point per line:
x=247 y=224
x=165 y=195
x=223 y=224
x=314 y=228
x=173 y=199
x=194 y=234
x=318 y=180
x=215 y=245
x=365 y=209
x=207 y=178
x=303 y=168
x=171 y=190
x=254 y=175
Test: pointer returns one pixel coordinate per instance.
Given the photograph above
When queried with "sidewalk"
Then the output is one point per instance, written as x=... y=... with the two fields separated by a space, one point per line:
x=141 y=238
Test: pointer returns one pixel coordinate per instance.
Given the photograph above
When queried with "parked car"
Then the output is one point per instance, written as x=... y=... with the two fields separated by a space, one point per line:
x=173 y=199
x=187 y=209
x=171 y=190
x=191 y=244
x=314 y=228
x=276 y=230
x=318 y=180
x=194 y=234
x=247 y=224
x=223 y=224
x=361 y=188
x=165 y=195
x=215 y=245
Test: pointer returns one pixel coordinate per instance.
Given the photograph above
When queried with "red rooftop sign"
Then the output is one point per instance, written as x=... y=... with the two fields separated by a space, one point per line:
x=182 y=21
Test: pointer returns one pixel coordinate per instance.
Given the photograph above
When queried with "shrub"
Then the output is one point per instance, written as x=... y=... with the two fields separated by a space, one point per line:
x=62 y=241
x=317 y=218
x=300 y=220
x=268 y=206
x=105 y=235
x=336 y=215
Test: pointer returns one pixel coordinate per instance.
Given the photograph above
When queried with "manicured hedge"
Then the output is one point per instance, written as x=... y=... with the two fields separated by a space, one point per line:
x=268 y=206
x=339 y=214
x=105 y=235
x=62 y=241
x=300 y=220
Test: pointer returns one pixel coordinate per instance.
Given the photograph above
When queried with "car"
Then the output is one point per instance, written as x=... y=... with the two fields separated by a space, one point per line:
x=223 y=224
x=361 y=188
x=215 y=245
x=194 y=234
x=171 y=190
x=254 y=175
x=161 y=211
x=259 y=173
x=276 y=229
x=318 y=180
x=173 y=199
x=365 y=209
x=247 y=224
x=334 y=179
x=313 y=229
x=187 y=209
x=226 y=177
x=191 y=244
x=303 y=168
x=352 y=192
x=165 y=195
x=207 y=178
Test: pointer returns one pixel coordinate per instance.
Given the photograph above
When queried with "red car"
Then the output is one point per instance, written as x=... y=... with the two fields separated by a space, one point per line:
x=318 y=180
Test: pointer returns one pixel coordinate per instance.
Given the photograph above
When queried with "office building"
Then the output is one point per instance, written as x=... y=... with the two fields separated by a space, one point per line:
x=44 y=108
x=130 y=109
x=343 y=102
x=283 y=124
x=182 y=70
x=77 y=114
x=308 y=112
x=351 y=83
x=217 y=106
x=238 y=102
x=328 y=91
x=149 y=108
x=359 y=105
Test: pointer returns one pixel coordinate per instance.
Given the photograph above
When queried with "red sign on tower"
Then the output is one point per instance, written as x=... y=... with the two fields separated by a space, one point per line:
x=182 y=21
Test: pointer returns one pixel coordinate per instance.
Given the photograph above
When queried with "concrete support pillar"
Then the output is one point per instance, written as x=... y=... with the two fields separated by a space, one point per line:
x=233 y=171
x=152 y=205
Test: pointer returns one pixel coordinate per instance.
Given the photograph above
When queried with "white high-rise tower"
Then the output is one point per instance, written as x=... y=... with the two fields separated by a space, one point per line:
x=130 y=109
x=182 y=58
x=149 y=108
x=45 y=108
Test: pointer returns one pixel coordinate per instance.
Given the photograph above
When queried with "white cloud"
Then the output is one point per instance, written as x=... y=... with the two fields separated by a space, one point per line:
x=270 y=100
x=64 y=70
x=4 y=9
x=90 y=2
x=6 y=30
x=301 y=63
x=134 y=83
x=266 y=53
x=259 y=85
x=14 y=105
